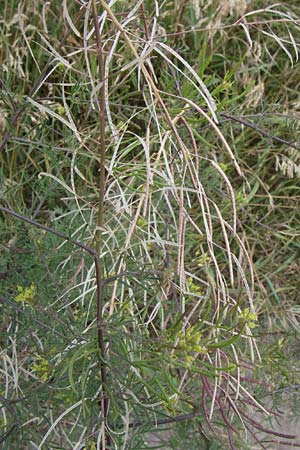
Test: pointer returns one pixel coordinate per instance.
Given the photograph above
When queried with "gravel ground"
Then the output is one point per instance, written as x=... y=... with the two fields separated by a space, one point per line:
x=288 y=423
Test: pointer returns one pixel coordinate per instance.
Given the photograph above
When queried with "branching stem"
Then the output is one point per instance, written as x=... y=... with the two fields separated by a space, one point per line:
x=100 y=285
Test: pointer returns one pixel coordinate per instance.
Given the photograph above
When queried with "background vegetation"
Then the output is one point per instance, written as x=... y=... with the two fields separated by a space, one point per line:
x=188 y=330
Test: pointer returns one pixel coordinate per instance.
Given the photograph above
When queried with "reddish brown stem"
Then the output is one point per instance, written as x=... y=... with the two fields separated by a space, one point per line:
x=145 y=22
x=100 y=222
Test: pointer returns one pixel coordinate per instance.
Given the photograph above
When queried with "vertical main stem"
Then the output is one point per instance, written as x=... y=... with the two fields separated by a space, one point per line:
x=99 y=230
x=101 y=109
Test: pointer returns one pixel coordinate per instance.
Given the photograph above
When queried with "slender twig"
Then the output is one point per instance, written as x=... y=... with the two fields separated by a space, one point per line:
x=147 y=35
x=168 y=420
x=5 y=435
x=100 y=222
x=260 y=427
x=284 y=389
x=101 y=112
x=259 y=130
x=88 y=249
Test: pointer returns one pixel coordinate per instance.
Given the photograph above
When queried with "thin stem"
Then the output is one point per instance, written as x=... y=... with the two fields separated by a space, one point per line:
x=88 y=249
x=147 y=35
x=101 y=112
x=104 y=401
x=99 y=230
x=259 y=130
